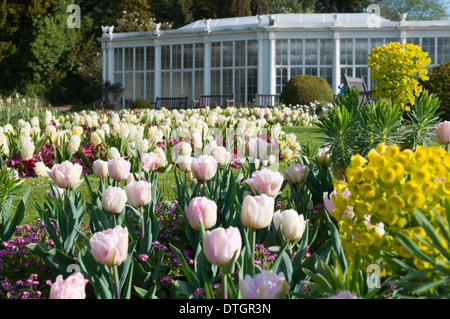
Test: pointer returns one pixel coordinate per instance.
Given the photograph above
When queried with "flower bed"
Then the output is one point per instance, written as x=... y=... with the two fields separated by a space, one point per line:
x=240 y=225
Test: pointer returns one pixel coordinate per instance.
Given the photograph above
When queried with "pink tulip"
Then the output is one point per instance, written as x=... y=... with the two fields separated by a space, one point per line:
x=201 y=210
x=150 y=161
x=119 y=168
x=110 y=247
x=266 y=182
x=257 y=211
x=265 y=285
x=100 y=168
x=74 y=287
x=220 y=245
x=296 y=174
x=204 y=167
x=66 y=175
x=443 y=132
x=138 y=193
x=114 y=199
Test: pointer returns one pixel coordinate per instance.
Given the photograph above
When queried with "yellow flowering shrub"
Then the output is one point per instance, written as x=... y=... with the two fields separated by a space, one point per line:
x=385 y=190
x=398 y=69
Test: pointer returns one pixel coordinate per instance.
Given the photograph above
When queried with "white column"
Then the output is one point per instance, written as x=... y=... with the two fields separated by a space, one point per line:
x=260 y=69
x=336 y=62
x=110 y=67
x=206 y=66
x=157 y=74
x=271 y=62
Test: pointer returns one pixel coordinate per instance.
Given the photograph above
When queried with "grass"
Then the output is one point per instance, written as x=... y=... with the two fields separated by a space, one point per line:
x=40 y=185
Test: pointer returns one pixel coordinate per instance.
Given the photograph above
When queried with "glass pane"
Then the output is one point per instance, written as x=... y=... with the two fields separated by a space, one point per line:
x=165 y=84
x=361 y=51
x=215 y=54
x=281 y=56
x=187 y=84
x=176 y=84
x=199 y=54
x=311 y=71
x=443 y=50
x=326 y=51
x=128 y=59
x=281 y=79
x=297 y=52
x=347 y=51
x=198 y=90
x=227 y=54
x=118 y=61
x=139 y=59
x=239 y=51
x=296 y=71
x=139 y=85
x=176 y=57
x=150 y=58
x=215 y=82
x=252 y=85
x=150 y=92
x=327 y=74
x=188 y=56
x=165 y=57
x=128 y=93
x=311 y=52
x=252 y=52
x=240 y=86
x=227 y=84
x=377 y=42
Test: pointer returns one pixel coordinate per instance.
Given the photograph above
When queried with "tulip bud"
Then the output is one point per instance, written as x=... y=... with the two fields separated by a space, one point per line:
x=293 y=224
x=138 y=193
x=257 y=211
x=443 y=132
x=296 y=174
x=204 y=167
x=74 y=287
x=265 y=285
x=119 y=169
x=220 y=245
x=266 y=182
x=323 y=156
x=110 y=247
x=201 y=210
x=184 y=163
x=66 y=175
x=114 y=199
x=222 y=156
x=100 y=168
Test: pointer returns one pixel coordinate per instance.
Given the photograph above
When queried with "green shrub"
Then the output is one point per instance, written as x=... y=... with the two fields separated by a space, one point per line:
x=439 y=84
x=141 y=104
x=306 y=89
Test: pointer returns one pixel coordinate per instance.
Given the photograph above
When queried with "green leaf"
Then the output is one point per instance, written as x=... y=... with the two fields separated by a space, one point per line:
x=188 y=272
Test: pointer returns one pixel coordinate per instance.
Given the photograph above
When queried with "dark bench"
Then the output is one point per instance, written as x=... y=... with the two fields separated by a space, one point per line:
x=171 y=102
x=359 y=83
x=262 y=100
x=225 y=100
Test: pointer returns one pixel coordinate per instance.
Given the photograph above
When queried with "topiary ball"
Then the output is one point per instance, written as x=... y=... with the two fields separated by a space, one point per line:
x=304 y=89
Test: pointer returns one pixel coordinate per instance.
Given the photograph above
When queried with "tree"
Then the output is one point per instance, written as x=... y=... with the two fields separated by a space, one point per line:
x=291 y=6
x=233 y=8
x=416 y=9
x=203 y=9
x=259 y=7
x=176 y=11
x=341 y=6
x=40 y=48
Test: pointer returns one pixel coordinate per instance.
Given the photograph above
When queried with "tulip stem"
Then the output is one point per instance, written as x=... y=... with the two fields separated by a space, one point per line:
x=225 y=286
x=252 y=240
x=115 y=271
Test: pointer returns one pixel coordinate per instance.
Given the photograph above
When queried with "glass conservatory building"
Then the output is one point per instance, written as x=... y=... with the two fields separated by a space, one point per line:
x=256 y=54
